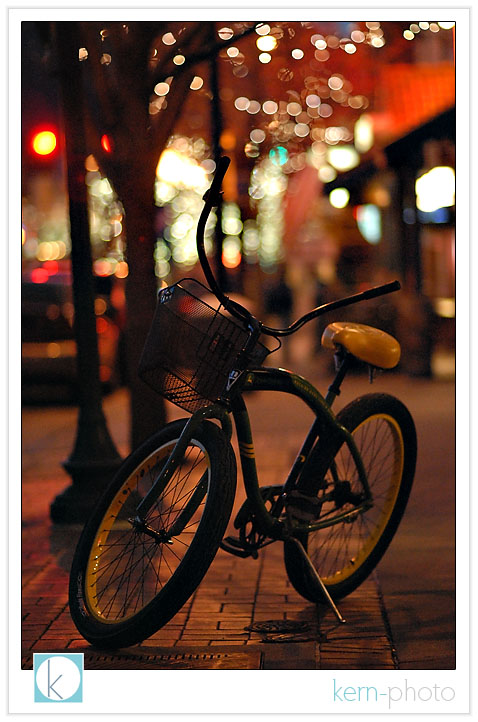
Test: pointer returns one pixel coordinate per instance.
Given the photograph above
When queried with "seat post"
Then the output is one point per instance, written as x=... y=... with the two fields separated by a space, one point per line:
x=342 y=365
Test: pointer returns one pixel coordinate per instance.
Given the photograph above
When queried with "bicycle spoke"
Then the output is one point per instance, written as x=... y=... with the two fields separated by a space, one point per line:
x=131 y=567
x=338 y=547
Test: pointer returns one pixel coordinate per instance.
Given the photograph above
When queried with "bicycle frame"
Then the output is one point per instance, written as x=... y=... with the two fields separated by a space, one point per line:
x=323 y=429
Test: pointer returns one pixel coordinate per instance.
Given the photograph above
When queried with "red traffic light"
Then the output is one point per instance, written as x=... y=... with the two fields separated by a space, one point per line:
x=44 y=142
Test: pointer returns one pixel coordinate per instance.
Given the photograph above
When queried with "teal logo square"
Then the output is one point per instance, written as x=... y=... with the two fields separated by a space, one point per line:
x=58 y=677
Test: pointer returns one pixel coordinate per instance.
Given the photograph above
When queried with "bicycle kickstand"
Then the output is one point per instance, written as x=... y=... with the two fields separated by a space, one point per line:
x=313 y=571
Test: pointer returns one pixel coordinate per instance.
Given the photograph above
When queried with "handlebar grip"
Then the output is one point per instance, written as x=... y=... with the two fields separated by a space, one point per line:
x=212 y=195
x=381 y=290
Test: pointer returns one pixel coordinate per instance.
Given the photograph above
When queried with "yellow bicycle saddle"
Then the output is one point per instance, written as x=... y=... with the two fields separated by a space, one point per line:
x=368 y=344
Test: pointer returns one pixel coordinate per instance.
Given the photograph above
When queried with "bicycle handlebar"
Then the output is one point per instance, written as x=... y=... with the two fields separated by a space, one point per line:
x=212 y=198
x=332 y=306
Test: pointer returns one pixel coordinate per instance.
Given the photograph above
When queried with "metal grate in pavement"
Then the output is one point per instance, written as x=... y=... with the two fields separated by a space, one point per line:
x=198 y=659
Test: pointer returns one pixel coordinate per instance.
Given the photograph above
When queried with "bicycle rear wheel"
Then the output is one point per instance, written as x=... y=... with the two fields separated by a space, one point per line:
x=345 y=553
x=128 y=579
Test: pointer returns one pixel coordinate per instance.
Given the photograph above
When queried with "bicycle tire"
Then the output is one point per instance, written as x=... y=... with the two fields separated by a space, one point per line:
x=125 y=584
x=346 y=553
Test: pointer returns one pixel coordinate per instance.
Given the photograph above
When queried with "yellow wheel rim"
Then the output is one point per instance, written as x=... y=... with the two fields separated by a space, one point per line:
x=338 y=551
x=126 y=568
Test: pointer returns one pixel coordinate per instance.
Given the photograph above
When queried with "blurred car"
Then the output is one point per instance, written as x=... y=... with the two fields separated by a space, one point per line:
x=48 y=343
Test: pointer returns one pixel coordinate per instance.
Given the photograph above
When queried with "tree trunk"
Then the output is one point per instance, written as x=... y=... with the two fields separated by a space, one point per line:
x=146 y=406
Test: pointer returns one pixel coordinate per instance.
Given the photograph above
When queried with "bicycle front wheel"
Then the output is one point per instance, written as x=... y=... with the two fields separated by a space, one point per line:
x=129 y=578
x=346 y=552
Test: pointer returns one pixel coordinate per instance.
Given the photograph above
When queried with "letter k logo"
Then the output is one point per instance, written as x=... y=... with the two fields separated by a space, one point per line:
x=58 y=677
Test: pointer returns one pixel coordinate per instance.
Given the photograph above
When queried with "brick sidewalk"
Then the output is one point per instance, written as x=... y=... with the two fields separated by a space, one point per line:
x=234 y=594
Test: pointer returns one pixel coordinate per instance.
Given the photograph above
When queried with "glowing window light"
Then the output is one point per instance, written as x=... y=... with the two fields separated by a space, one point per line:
x=121 y=270
x=339 y=197
x=179 y=170
x=231 y=226
x=45 y=251
x=91 y=164
x=369 y=222
x=435 y=189
x=264 y=241
x=103 y=267
x=250 y=240
x=343 y=157
x=231 y=252
x=363 y=133
x=162 y=268
x=445 y=307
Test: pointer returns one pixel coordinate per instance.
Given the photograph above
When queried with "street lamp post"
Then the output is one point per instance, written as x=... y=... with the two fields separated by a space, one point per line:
x=94 y=457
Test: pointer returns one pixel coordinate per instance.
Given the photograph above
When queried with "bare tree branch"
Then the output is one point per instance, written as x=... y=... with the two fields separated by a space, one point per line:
x=210 y=51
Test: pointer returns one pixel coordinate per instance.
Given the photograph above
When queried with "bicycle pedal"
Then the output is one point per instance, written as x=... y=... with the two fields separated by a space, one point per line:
x=234 y=546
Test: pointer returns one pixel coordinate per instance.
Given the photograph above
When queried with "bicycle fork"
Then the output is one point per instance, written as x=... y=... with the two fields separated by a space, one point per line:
x=175 y=458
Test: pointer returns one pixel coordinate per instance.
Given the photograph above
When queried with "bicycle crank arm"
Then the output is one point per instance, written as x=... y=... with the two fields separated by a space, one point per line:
x=313 y=571
x=234 y=546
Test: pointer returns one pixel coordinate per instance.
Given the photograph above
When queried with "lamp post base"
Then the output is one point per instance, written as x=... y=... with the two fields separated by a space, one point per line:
x=75 y=504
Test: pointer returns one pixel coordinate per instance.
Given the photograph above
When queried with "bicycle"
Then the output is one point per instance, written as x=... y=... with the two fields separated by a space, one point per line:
x=159 y=524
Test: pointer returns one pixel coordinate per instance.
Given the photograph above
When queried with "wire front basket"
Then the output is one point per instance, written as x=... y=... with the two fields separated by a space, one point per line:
x=192 y=348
